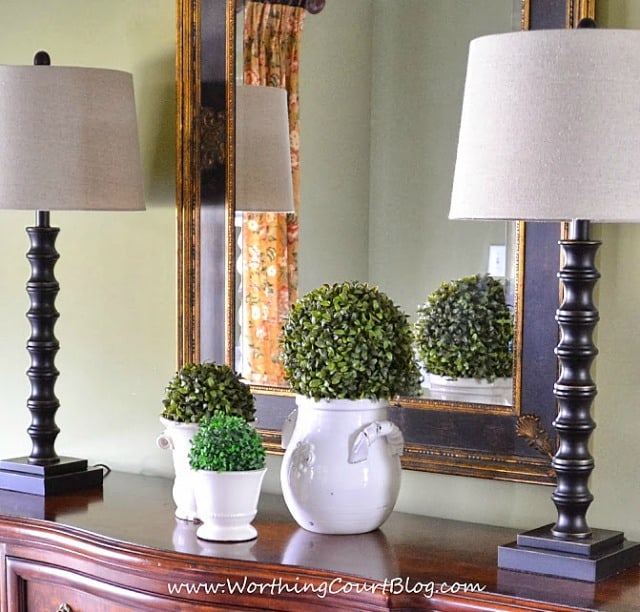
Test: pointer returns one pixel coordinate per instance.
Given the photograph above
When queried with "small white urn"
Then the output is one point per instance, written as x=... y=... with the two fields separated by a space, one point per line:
x=177 y=438
x=227 y=503
x=341 y=469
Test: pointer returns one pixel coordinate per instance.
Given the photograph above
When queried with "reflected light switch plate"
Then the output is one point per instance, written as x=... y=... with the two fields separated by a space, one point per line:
x=497 y=260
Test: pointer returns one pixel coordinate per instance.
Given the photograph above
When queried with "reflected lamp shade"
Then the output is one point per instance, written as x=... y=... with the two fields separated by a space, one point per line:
x=550 y=127
x=263 y=152
x=69 y=139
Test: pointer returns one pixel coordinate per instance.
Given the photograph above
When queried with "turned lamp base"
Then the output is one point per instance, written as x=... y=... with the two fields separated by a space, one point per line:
x=600 y=556
x=68 y=474
x=44 y=472
x=570 y=549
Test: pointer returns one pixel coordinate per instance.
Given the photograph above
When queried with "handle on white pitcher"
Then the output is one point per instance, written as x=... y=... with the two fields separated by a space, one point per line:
x=359 y=450
x=164 y=441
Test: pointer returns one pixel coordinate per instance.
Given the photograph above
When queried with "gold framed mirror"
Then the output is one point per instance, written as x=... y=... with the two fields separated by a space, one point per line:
x=457 y=437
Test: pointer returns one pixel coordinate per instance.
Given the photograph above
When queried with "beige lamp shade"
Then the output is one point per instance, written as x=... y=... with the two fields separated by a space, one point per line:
x=68 y=139
x=550 y=127
x=263 y=151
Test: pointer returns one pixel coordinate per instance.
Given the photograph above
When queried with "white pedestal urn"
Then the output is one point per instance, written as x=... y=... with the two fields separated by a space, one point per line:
x=177 y=438
x=341 y=469
x=227 y=503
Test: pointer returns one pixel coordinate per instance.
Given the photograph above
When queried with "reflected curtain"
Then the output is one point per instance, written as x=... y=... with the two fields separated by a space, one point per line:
x=271 y=48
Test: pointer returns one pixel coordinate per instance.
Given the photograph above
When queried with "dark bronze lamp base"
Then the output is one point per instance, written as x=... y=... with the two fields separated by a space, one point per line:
x=600 y=556
x=570 y=549
x=68 y=474
x=44 y=472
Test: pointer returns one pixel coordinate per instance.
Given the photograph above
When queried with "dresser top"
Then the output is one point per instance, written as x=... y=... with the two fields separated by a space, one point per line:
x=136 y=512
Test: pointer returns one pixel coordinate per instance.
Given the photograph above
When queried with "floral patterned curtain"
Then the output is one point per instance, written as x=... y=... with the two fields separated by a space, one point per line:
x=271 y=41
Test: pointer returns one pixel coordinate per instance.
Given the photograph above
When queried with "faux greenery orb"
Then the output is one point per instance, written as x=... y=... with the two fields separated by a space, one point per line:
x=348 y=341
x=465 y=330
x=200 y=390
x=226 y=443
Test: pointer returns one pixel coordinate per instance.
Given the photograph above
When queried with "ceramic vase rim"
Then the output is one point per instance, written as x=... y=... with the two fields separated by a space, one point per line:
x=178 y=424
x=231 y=472
x=340 y=404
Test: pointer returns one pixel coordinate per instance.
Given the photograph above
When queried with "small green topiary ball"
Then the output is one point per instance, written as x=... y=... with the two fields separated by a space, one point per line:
x=226 y=443
x=348 y=341
x=200 y=390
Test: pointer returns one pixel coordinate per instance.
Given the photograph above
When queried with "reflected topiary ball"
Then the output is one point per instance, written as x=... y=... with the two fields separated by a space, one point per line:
x=465 y=330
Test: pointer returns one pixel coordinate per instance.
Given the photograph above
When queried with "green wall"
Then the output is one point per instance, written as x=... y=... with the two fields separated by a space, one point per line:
x=380 y=97
x=419 y=51
x=335 y=100
x=118 y=283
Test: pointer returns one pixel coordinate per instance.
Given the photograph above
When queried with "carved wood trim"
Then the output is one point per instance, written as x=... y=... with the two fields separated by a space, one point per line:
x=528 y=427
x=213 y=143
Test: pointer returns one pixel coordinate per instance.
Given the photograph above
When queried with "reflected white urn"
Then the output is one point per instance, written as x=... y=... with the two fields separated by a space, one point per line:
x=371 y=553
x=341 y=469
x=177 y=438
x=499 y=391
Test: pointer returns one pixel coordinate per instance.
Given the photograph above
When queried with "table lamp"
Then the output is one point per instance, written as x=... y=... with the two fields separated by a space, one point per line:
x=263 y=152
x=550 y=131
x=68 y=141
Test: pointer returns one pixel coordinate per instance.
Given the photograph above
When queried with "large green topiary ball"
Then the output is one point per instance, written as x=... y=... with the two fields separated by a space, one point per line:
x=348 y=341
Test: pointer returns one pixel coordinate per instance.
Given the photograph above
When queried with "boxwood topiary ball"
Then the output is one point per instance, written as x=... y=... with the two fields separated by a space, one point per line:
x=465 y=330
x=348 y=341
x=200 y=390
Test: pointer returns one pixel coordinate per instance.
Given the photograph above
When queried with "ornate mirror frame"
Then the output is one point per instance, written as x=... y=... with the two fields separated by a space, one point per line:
x=509 y=443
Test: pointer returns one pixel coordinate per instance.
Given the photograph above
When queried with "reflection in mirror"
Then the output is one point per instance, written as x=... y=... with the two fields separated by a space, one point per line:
x=380 y=90
x=480 y=440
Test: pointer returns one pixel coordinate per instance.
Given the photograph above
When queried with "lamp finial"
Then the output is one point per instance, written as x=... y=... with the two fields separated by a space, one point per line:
x=41 y=58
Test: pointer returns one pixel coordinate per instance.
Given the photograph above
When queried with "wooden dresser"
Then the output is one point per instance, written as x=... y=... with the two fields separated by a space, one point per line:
x=122 y=549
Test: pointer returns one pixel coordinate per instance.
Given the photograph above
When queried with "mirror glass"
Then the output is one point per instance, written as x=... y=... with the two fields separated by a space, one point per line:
x=381 y=85
x=340 y=232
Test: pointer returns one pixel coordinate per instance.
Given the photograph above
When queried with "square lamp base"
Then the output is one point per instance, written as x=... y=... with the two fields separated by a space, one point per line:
x=67 y=475
x=600 y=556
